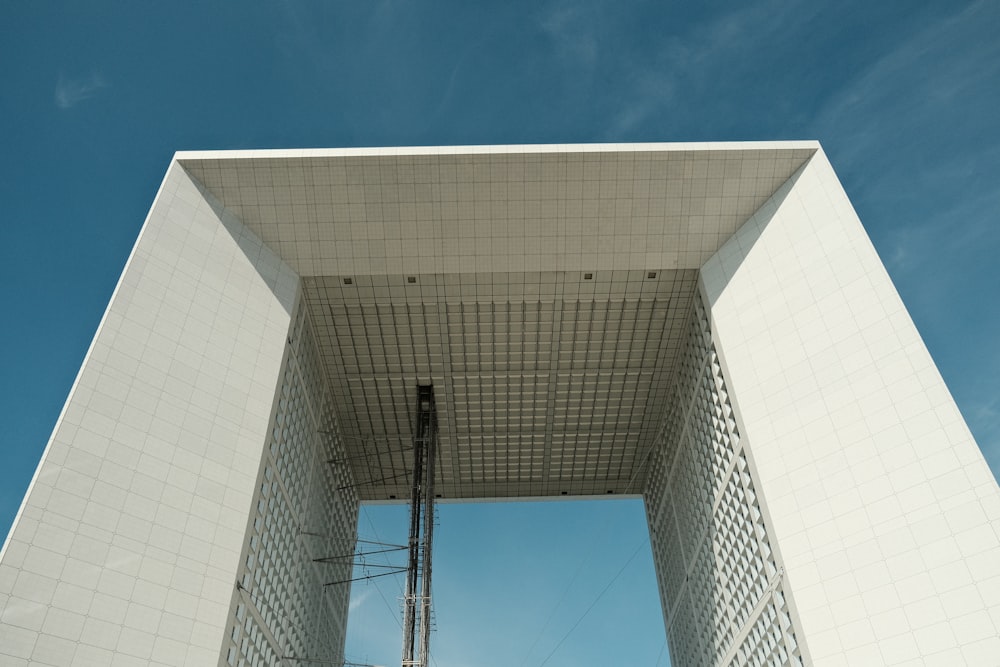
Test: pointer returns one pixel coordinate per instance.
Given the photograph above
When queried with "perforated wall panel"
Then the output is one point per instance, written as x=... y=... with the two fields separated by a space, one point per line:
x=720 y=582
x=301 y=535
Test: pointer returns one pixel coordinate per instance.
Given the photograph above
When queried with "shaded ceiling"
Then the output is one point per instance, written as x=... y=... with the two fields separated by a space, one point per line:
x=544 y=291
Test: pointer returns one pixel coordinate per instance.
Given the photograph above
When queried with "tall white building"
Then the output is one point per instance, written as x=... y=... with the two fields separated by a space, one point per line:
x=706 y=326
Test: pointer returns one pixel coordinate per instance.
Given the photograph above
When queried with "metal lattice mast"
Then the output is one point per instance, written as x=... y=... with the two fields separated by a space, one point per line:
x=425 y=610
x=421 y=516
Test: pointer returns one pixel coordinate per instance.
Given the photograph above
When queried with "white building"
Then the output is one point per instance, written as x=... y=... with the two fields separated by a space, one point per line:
x=706 y=326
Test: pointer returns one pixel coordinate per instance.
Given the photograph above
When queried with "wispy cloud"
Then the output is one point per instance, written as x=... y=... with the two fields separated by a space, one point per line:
x=358 y=600
x=650 y=93
x=950 y=232
x=729 y=38
x=690 y=65
x=71 y=91
x=572 y=29
x=987 y=413
x=912 y=89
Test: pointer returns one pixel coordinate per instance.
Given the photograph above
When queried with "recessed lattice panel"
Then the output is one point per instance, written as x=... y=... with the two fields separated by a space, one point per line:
x=720 y=582
x=547 y=383
x=305 y=509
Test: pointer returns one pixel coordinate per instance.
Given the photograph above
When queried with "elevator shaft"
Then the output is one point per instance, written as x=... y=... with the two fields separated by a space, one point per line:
x=418 y=567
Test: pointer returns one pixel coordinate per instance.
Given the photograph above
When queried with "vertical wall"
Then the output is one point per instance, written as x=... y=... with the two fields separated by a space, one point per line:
x=125 y=546
x=292 y=594
x=721 y=583
x=882 y=509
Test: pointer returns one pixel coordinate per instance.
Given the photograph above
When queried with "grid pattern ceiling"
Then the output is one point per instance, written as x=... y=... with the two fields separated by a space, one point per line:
x=546 y=383
x=497 y=209
x=467 y=269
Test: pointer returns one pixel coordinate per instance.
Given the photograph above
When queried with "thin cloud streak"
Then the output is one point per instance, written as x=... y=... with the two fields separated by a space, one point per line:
x=915 y=83
x=687 y=66
x=938 y=236
x=571 y=29
x=986 y=415
x=70 y=92
x=359 y=600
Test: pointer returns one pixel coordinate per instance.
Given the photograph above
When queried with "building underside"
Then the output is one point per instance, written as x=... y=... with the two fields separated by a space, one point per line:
x=546 y=295
x=706 y=326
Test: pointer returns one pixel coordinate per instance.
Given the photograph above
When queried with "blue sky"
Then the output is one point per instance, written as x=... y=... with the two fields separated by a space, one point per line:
x=95 y=97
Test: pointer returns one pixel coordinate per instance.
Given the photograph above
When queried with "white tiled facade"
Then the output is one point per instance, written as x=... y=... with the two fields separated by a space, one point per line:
x=704 y=324
x=126 y=546
x=885 y=514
